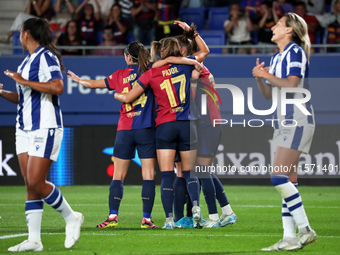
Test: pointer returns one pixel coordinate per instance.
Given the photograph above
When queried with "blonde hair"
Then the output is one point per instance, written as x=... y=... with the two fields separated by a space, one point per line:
x=300 y=31
x=169 y=46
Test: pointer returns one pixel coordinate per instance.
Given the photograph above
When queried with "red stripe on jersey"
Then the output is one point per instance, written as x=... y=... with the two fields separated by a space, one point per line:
x=121 y=81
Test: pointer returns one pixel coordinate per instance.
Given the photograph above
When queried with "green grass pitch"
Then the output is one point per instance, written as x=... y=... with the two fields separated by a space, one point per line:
x=259 y=223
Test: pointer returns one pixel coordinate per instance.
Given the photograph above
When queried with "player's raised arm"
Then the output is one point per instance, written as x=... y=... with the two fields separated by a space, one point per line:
x=92 y=84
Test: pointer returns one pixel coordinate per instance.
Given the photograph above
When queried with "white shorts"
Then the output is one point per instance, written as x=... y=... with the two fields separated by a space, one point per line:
x=44 y=143
x=297 y=138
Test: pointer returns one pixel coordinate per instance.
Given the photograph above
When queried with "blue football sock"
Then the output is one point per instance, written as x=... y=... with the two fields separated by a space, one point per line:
x=180 y=197
x=148 y=197
x=220 y=193
x=167 y=192
x=208 y=189
x=193 y=187
x=115 y=196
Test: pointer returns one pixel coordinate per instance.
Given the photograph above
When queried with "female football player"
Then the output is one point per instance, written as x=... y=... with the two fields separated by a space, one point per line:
x=294 y=131
x=171 y=86
x=39 y=130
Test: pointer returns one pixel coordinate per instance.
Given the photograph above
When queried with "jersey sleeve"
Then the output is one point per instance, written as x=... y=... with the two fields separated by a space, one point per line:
x=144 y=80
x=52 y=67
x=271 y=70
x=112 y=81
x=294 y=65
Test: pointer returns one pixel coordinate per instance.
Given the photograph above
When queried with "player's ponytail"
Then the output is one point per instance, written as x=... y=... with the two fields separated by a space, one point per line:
x=300 y=31
x=155 y=50
x=41 y=32
x=185 y=40
x=139 y=54
x=170 y=47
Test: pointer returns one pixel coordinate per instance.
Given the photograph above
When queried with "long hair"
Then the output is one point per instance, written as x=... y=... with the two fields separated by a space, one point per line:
x=168 y=46
x=66 y=36
x=139 y=54
x=185 y=41
x=300 y=31
x=41 y=32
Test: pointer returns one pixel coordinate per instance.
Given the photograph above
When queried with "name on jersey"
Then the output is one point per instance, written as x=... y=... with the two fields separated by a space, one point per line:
x=132 y=114
x=169 y=71
x=131 y=77
x=177 y=109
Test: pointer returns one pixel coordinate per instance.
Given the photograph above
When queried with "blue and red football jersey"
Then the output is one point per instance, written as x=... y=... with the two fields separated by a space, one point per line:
x=171 y=87
x=140 y=113
x=206 y=85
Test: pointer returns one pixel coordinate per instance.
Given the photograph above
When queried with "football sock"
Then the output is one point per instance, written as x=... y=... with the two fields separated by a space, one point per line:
x=193 y=187
x=59 y=203
x=148 y=197
x=292 y=198
x=220 y=193
x=180 y=197
x=208 y=189
x=34 y=210
x=115 y=196
x=167 y=192
x=288 y=223
x=227 y=210
x=189 y=206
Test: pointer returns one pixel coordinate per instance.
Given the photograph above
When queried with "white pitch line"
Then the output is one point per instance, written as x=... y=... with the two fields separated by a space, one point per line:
x=160 y=233
x=13 y=236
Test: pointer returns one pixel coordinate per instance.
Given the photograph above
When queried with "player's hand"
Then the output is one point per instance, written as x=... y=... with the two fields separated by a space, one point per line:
x=73 y=76
x=198 y=67
x=183 y=25
x=259 y=71
x=15 y=76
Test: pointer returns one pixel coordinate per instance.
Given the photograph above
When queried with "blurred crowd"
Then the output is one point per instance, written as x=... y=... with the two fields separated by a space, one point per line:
x=119 y=22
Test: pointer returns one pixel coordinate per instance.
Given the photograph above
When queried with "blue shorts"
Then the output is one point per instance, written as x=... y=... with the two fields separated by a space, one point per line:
x=208 y=140
x=178 y=135
x=127 y=141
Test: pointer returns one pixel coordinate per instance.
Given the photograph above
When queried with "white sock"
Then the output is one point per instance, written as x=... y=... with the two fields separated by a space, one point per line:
x=112 y=216
x=59 y=203
x=34 y=211
x=288 y=223
x=292 y=198
x=227 y=209
x=214 y=217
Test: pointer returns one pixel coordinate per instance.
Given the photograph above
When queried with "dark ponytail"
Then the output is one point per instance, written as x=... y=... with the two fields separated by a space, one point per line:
x=41 y=32
x=139 y=54
x=187 y=40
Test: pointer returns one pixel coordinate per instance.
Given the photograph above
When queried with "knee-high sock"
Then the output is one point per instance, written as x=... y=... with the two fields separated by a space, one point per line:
x=34 y=210
x=180 y=197
x=292 y=198
x=115 y=196
x=148 y=197
x=288 y=223
x=208 y=189
x=220 y=193
x=59 y=203
x=167 y=192
x=193 y=187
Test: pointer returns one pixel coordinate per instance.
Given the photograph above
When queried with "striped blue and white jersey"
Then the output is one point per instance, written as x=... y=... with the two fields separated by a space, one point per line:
x=292 y=62
x=38 y=110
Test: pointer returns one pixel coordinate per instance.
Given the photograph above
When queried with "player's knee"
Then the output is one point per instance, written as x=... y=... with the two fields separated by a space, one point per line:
x=279 y=179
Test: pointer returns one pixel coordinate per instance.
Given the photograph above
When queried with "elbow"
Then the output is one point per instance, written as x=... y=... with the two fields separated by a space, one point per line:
x=59 y=91
x=127 y=100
